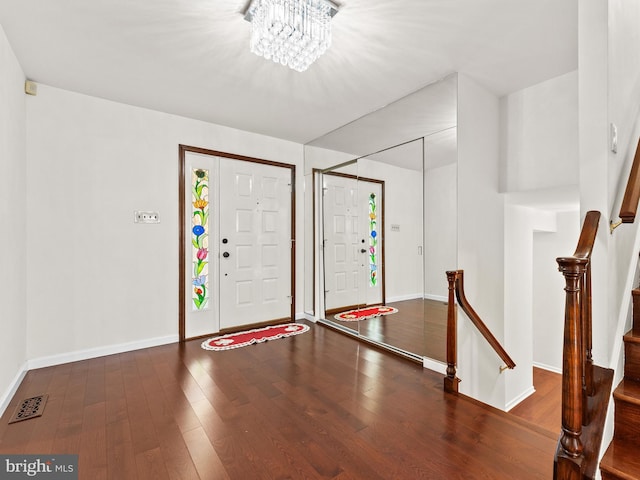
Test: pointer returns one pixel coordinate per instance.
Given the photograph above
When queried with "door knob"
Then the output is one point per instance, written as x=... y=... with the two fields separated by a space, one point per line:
x=225 y=254
x=362 y=250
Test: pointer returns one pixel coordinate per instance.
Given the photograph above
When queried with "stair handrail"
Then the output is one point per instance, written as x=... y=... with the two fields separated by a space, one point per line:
x=629 y=205
x=455 y=279
x=577 y=361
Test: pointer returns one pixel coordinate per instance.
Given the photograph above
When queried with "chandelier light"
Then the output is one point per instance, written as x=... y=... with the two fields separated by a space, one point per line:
x=291 y=32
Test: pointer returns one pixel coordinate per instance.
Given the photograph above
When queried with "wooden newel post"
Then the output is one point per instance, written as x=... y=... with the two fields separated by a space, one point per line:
x=573 y=359
x=451 y=381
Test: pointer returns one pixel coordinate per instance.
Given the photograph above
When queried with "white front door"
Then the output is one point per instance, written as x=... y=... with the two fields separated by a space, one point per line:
x=255 y=243
x=238 y=243
x=352 y=242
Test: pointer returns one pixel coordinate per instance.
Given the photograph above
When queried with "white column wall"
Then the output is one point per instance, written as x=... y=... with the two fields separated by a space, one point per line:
x=13 y=221
x=480 y=241
x=102 y=280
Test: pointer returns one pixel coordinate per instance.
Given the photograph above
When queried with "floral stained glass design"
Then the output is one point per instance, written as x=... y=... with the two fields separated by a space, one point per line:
x=373 y=241
x=199 y=234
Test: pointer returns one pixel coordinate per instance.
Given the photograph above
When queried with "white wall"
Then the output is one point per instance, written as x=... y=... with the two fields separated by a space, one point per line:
x=99 y=279
x=548 y=288
x=13 y=221
x=609 y=92
x=480 y=241
x=623 y=109
x=623 y=83
x=539 y=135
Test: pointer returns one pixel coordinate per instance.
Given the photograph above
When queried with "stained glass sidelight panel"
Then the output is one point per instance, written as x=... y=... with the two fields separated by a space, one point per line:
x=373 y=241
x=199 y=237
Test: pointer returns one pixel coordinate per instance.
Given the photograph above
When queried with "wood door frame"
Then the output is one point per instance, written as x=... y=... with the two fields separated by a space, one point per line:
x=182 y=301
x=314 y=172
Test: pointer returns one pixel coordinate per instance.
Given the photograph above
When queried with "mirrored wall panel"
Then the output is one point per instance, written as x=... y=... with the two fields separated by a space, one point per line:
x=382 y=195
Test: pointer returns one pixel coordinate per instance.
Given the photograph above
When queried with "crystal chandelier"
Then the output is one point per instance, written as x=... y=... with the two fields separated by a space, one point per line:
x=291 y=32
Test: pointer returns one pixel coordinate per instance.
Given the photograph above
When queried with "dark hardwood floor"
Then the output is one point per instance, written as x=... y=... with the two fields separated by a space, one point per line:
x=544 y=407
x=419 y=326
x=315 y=406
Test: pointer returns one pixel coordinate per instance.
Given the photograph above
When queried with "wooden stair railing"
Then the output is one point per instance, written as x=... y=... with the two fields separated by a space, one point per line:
x=456 y=286
x=585 y=388
x=629 y=206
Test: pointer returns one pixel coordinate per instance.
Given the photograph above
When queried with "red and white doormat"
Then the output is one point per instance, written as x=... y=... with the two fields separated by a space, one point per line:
x=258 y=335
x=364 y=313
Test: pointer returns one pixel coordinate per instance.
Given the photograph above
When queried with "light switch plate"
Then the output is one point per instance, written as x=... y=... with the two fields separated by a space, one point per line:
x=146 y=217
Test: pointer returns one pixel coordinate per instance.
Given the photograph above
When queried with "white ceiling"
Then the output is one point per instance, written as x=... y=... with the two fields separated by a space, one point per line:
x=191 y=57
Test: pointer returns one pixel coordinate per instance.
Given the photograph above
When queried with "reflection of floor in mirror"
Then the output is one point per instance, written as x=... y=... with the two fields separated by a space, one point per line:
x=420 y=327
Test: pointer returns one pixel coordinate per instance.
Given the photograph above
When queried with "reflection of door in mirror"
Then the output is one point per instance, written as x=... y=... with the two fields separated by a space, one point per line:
x=353 y=246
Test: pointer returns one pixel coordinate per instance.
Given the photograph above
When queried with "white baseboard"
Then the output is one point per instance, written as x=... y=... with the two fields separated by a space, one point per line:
x=434 y=365
x=439 y=298
x=402 y=298
x=548 y=367
x=527 y=393
x=5 y=400
x=49 y=361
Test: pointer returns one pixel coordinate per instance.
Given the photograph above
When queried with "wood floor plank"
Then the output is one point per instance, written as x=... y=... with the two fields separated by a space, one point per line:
x=67 y=438
x=121 y=460
x=92 y=456
x=204 y=456
x=150 y=465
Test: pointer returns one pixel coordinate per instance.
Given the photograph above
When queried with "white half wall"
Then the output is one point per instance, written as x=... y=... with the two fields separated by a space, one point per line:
x=100 y=279
x=13 y=221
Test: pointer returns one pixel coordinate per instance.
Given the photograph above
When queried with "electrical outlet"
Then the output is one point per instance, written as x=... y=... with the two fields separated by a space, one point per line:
x=146 y=217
